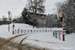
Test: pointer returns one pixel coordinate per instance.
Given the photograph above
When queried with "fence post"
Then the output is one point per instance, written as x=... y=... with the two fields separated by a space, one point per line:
x=21 y=31
x=31 y=31
x=28 y=31
x=24 y=31
x=18 y=31
x=59 y=36
x=15 y=31
x=37 y=30
x=56 y=35
x=53 y=33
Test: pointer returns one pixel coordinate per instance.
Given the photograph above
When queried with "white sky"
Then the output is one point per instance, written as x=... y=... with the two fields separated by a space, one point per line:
x=16 y=7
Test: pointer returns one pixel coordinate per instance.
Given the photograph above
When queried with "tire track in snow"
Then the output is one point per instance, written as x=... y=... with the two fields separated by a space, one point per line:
x=11 y=39
x=48 y=42
x=19 y=48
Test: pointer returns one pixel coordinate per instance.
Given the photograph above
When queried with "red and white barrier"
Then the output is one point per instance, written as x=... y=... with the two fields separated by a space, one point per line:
x=13 y=29
x=63 y=24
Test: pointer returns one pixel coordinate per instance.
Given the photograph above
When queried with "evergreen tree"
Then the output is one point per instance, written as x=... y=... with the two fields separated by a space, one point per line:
x=26 y=16
x=36 y=6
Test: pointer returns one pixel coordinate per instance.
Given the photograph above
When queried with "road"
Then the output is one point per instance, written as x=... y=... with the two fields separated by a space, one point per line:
x=7 y=44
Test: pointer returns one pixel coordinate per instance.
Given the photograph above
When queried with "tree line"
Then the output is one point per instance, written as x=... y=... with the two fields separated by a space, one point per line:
x=68 y=8
x=36 y=6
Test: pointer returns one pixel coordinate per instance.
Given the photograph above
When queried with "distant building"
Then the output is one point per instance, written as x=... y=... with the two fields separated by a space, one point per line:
x=4 y=21
x=38 y=15
x=41 y=19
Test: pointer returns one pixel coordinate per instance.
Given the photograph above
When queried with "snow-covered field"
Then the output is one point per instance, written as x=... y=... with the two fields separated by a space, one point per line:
x=43 y=40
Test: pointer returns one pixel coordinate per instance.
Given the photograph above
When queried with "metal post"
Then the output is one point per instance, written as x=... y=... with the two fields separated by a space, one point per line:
x=56 y=34
x=63 y=31
x=59 y=36
x=63 y=36
x=13 y=28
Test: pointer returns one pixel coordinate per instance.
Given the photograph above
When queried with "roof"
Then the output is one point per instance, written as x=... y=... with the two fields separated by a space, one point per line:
x=39 y=14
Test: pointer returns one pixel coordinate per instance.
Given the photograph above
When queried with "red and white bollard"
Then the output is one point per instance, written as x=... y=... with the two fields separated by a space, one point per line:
x=63 y=36
x=13 y=32
x=63 y=32
x=13 y=29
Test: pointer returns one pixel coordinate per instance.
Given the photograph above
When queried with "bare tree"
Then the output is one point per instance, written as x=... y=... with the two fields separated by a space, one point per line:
x=36 y=6
x=68 y=9
x=52 y=20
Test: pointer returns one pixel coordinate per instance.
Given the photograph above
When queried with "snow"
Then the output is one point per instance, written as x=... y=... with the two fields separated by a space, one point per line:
x=43 y=40
x=46 y=40
x=4 y=33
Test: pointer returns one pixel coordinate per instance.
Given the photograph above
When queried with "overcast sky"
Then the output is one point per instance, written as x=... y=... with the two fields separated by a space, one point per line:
x=16 y=7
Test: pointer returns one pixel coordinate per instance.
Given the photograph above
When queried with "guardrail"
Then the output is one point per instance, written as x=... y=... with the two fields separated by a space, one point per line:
x=36 y=30
x=17 y=31
x=58 y=34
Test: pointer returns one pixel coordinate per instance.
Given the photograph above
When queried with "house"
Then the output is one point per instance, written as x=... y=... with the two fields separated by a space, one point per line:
x=38 y=15
x=4 y=21
x=41 y=19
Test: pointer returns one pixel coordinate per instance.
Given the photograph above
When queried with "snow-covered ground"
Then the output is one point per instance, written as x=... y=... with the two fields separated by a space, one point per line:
x=4 y=33
x=44 y=40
